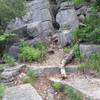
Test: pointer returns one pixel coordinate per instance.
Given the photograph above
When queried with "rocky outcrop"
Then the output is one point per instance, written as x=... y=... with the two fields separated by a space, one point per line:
x=14 y=52
x=37 y=15
x=10 y=74
x=22 y=92
x=88 y=50
x=67 y=17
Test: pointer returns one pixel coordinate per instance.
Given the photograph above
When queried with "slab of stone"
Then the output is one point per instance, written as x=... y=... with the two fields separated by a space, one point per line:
x=88 y=50
x=67 y=19
x=42 y=71
x=88 y=88
x=71 y=68
x=10 y=74
x=22 y=92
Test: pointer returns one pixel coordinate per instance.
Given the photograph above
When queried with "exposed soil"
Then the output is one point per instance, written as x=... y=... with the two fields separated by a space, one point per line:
x=43 y=86
x=52 y=59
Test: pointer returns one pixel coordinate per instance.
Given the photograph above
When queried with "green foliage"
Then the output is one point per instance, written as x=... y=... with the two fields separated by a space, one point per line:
x=31 y=74
x=9 y=60
x=76 y=51
x=28 y=53
x=67 y=50
x=91 y=64
x=77 y=2
x=10 y=9
x=90 y=32
x=57 y=86
x=72 y=94
x=43 y=48
x=6 y=36
x=30 y=78
x=2 y=91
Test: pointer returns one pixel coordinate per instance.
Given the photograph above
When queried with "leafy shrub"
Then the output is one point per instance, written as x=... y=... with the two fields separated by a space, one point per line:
x=31 y=74
x=92 y=64
x=67 y=50
x=30 y=78
x=4 y=39
x=71 y=93
x=43 y=48
x=29 y=53
x=2 y=91
x=9 y=10
x=77 y=51
x=90 y=32
x=9 y=60
x=57 y=86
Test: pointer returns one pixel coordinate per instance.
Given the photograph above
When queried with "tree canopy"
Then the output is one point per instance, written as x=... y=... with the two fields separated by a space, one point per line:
x=9 y=9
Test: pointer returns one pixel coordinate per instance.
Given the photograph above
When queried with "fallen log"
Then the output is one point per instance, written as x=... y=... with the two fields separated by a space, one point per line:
x=64 y=62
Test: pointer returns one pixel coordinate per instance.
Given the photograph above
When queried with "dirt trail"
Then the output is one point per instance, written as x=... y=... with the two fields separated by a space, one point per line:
x=52 y=60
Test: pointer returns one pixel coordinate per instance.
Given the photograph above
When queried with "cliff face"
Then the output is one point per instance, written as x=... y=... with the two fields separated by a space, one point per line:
x=43 y=17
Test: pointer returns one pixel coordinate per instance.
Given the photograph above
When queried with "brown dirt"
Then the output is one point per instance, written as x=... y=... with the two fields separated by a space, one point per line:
x=52 y=59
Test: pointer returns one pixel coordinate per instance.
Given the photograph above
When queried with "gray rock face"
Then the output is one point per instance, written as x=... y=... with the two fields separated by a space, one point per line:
x=37 y=13
x=13 y=51
x=64 y=38
x=67 y=19
x=43 y=71
x=88 y=50
x=22 y=92
x=10 y=74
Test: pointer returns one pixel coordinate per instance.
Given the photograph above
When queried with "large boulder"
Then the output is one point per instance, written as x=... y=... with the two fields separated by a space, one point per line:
x=10 y=73
x=88 y=50
x=14 y=52
x=65 y=38
x=38 y=12
x=22 y=92
x=67 y=19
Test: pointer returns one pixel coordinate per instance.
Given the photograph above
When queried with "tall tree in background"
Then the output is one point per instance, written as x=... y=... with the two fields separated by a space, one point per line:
x=10 y=9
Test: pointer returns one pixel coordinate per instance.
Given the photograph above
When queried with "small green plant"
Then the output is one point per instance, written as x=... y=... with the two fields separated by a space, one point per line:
x=77 y=2
x=67 y=50
x=93 y=63
x=90 y=32
x=29 y=53
x=31 y=74
x=2 y=91
x=30 y=78
x=76 y=51
x=43 y=48
x=57 y=86
x=9 y=60
x=72 y=94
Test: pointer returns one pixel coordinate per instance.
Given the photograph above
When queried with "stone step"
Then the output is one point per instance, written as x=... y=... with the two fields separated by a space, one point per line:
x=22 y=92
x=42 y=71
x=88 y=88
x=71 y=68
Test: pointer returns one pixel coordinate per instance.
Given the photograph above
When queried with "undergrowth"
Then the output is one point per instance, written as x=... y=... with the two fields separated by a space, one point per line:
x=93 y=63
x=36 y=53
x=30 y=78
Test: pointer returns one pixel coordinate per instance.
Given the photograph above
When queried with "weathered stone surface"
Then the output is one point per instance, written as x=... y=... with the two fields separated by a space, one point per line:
x=67 y=19
x=67 y=4
x=82 y=11
x=65 y=38
x=22 y=92
x=88 y=50
x=42 y=71
x=37 y=13
x=10 y=74
x=88 y=89
x=13 y=51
